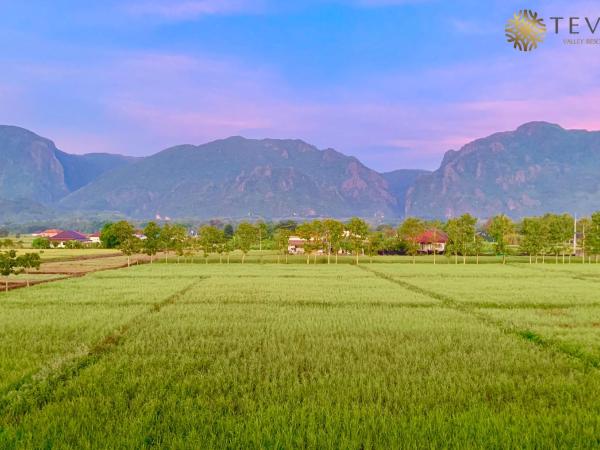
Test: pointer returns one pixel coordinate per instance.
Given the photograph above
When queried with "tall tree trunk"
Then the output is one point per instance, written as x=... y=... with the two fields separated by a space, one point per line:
x=336 y=257
x=329 y=256
x=477 y=258
x=243 y=257
x=434 y=262
x=128 y=261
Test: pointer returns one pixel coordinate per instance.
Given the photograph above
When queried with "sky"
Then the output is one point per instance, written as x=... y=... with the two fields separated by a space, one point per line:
x=395 y=83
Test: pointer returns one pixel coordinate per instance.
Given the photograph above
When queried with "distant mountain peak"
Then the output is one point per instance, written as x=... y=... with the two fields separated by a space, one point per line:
x=537 y=127
x=234 y=176
x=540 y=167
x=31 y=167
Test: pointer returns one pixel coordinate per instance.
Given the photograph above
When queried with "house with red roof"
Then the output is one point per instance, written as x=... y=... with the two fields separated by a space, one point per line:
x=432 y=240
x=48 y=233
x=69 y=235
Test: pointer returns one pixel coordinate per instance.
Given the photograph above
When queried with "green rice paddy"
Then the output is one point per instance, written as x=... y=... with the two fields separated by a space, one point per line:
x=310 y=356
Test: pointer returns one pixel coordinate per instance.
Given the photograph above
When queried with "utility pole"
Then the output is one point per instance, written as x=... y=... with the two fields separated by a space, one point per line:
x=575 y=237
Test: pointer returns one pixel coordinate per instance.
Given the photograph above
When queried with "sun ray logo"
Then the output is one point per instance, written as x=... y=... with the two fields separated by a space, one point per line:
x=525 y=30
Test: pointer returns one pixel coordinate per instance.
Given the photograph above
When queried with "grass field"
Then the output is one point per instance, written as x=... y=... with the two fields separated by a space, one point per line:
x=280 y=356
x=59 y=254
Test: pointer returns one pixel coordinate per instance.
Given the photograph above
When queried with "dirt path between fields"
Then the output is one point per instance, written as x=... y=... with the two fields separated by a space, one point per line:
x=75 y=267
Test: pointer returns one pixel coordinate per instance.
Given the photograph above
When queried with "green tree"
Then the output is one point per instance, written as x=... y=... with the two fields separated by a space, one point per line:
x=358 y=230
x=152 y=242
x=40 y=243
x=228 y=247
x=316 y=239
x=262 y=231
x=478 y=246
x=532 y=237
x=453 y=232
x=374 y=244
x=435 y=226
x=333 y=234
x=593 y=236
x=228 y=231
x=73 y=244
x=246 y=235
x=282 y=237
x=179 y=239
x=464 y=235
x=409 y=232
x=166 y=240
x=108 y=238
x=124 y=234
x=289 y=225
x=305 y=231
x=209 y=238
x=11 y=264
x=500 y=228
x=559 y=231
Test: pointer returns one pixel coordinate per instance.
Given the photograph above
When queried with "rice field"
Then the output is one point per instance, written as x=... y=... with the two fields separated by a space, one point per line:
x=319 y=356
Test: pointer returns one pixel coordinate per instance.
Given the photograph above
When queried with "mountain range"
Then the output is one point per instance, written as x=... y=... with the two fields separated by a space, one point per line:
x=538 y=168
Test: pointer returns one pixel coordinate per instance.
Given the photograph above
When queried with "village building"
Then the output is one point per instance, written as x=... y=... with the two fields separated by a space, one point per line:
x=94 y=238
x=296 y=245
x=67 y=236
x=432 y=241
x=48 y=233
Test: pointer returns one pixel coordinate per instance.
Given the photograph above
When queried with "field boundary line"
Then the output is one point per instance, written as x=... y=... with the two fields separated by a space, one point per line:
x=571 y=351
x=570 y=273
x=67 y=275
x=36 y=390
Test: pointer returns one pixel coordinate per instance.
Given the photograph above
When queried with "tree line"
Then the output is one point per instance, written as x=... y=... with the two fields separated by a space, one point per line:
x=551 y=235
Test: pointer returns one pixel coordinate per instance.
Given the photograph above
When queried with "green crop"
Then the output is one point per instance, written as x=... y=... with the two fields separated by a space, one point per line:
x=311 y=356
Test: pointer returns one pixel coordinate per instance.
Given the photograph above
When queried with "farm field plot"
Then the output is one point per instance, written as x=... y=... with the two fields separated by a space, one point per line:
x=86 y=265
x=254 y=356
x=57 y=254
x=521 y=285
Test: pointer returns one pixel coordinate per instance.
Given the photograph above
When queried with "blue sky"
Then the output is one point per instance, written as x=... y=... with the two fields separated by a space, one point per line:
x=394 y=82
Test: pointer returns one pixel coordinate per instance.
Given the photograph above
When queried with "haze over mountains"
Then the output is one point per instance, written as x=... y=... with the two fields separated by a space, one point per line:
x=538 y=168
